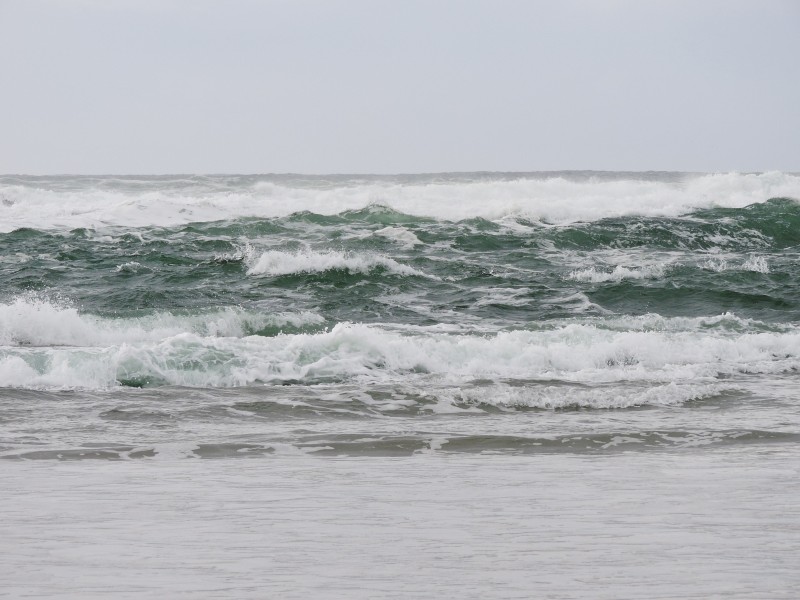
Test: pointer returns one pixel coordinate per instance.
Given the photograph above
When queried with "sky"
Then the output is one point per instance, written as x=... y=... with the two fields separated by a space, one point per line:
x=398 y=86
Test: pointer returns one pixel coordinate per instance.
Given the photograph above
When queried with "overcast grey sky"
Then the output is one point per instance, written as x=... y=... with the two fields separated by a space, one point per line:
x=368 y=86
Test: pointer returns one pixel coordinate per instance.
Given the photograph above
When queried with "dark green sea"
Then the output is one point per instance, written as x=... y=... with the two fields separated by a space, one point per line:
x=518 y=323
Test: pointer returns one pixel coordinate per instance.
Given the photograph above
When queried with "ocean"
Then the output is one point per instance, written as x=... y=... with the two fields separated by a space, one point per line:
x=475 y=385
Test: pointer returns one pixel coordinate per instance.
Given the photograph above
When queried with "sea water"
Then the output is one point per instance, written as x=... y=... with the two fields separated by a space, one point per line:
x=571 y=384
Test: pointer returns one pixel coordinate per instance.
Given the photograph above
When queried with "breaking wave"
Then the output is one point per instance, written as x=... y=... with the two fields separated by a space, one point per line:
x=33 y=321
x=685 y=351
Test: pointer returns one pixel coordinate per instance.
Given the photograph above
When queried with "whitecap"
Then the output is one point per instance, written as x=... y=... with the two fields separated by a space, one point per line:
x=400 y=236
x=277 y=262
x=595 y=275
x=757 y=264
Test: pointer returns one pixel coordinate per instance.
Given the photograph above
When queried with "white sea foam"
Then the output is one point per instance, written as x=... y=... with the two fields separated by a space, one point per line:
x=400 y=236
x=40 y=322
x=17 y=258
x=506 y=296
x=560 y=396
x=594 y=275
x=130 y=267
x=578 y=353
x=716 y=264
x=553 y=200
x=726 y=322
x=756 y=264
x=276 y=262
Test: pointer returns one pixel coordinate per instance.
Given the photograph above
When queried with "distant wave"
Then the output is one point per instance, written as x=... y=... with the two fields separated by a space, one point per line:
x=554 y=199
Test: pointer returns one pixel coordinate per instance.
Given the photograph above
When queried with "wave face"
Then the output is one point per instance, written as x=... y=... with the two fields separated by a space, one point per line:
x=399 y=314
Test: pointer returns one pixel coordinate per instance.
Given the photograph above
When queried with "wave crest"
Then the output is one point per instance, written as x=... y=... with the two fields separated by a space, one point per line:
x=276 y=263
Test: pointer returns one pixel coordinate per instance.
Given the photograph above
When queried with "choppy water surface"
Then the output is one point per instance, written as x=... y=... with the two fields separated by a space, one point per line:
x=432 y=320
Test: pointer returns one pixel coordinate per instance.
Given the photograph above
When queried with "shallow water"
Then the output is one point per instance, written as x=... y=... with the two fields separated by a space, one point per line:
x=710 y=524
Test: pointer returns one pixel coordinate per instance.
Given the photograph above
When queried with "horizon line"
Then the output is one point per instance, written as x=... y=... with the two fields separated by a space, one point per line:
x=398 y=173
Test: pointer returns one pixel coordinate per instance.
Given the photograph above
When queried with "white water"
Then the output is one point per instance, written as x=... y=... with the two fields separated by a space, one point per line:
x=552 y=200
x=756 y=264
x=594 y=275
x=400 y=236
x=46 y=346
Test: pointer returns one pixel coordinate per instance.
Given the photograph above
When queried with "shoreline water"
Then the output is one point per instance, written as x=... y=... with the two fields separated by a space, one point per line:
x=675 y=525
